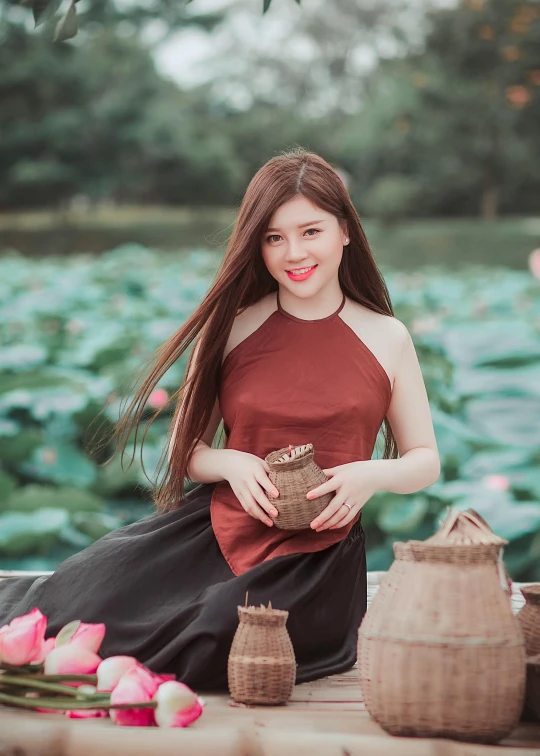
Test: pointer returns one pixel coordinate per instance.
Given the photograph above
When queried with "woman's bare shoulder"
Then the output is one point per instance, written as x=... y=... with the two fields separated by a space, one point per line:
x=249 y=319
x=384 y=335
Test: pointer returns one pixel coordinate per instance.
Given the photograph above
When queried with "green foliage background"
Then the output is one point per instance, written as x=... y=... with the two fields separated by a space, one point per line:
x=437 y=142
x=74 y=331
x=446 y=126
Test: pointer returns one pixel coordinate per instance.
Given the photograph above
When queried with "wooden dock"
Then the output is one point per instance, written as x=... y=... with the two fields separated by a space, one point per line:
x=322 y=718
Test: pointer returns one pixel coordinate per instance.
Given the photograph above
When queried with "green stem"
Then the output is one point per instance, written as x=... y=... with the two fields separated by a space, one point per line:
x=89 y=679
x=28 y=682
x=70 y=704
x=25 y=669
x=50 y=703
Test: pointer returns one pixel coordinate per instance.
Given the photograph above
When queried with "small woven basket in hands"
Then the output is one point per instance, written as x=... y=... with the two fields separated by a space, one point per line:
x=261 y=666
x=294 y=472
x=529 y=619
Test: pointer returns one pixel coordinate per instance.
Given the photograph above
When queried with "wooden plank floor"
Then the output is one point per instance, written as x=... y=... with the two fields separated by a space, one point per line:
x=323 y=718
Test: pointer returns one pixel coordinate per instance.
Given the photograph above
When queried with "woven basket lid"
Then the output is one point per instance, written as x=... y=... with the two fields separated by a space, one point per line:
x=445 y=552
x=465 y=528
x=531 y=593
x=263 y=615
x=290 y=457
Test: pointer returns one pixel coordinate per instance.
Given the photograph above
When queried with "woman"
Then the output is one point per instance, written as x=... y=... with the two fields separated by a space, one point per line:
x=297 y=344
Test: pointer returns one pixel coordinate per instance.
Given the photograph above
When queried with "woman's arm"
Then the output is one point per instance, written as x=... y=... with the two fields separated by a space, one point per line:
x=205 y=464
x=409 y=416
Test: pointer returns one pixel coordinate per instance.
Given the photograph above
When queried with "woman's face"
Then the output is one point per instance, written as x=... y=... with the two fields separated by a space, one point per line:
x=301 y=235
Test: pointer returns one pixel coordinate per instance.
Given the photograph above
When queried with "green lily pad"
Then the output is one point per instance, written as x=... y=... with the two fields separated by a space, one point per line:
x=34 y=497
x=61 y=463
x=24 y=534
x=402 y=515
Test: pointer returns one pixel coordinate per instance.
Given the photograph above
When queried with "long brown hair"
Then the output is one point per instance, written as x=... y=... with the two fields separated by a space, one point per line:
x=241 y=280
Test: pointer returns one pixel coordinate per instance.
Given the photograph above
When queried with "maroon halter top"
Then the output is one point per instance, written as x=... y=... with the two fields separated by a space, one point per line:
x=295 y=381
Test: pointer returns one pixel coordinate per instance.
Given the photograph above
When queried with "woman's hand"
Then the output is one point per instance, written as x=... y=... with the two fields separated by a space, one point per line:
x=354 y=483
x=248 y=476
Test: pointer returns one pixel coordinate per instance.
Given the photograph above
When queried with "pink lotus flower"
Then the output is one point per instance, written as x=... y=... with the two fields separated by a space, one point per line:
x=534 y=263
x=85 y=634
x=71 y=659
x=22 y=641
x=158 y=398
x=500 y=482
x=48 y=646
x=137 y=685
x=86 y=713
x=177 y=705
x=111 y=670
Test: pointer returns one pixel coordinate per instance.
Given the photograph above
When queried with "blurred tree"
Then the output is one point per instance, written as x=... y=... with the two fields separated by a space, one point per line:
x=96 y=119
x=460 y=115
x=99 y=120
x=444 y=124
x=171 y=13
x=320 y=61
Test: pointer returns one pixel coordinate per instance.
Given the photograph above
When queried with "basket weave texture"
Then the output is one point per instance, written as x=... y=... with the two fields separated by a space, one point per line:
x=294 y=472
x=529 y=618
x=261 y=664
x=440 y=653
x=532 y=699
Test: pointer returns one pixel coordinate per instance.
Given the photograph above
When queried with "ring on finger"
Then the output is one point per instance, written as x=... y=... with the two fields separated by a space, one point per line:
x=347 y=505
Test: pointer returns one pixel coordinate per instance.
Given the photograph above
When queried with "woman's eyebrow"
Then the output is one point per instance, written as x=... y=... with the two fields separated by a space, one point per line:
x=302 y=225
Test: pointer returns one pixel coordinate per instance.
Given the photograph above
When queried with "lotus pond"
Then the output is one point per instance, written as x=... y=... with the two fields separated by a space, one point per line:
x=75 y=330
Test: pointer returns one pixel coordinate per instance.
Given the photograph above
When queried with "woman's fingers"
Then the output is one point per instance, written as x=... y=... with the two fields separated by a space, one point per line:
x=341 y=518
x=260 y=499
x=267 y=484
x=327 y=513
x=252 y=506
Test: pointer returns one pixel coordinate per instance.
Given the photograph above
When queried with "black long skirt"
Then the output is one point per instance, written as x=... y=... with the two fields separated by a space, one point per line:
x=168 y=597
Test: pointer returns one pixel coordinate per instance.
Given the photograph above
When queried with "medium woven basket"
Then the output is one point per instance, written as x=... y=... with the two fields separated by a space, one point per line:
x=440 y=653
x=261 y=664
x=294 y=472
x=529 y=618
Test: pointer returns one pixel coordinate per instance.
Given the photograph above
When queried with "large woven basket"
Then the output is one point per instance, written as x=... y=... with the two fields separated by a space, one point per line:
x=261 y=664
x=440 y=653
x=294 y=472
x=529 y=618
x=532 y=698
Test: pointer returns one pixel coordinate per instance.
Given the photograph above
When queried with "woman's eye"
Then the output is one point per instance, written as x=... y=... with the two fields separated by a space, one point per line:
x=277 y=236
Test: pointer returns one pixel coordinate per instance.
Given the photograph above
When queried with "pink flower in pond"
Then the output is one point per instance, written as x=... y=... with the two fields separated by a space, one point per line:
x=49 y=456
x=177 y=705
x=74 y=326
x=137 y=685
x=426 y=324
x=158 y=398
x=500 y=482
x=534 y=263
x=22 y=641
